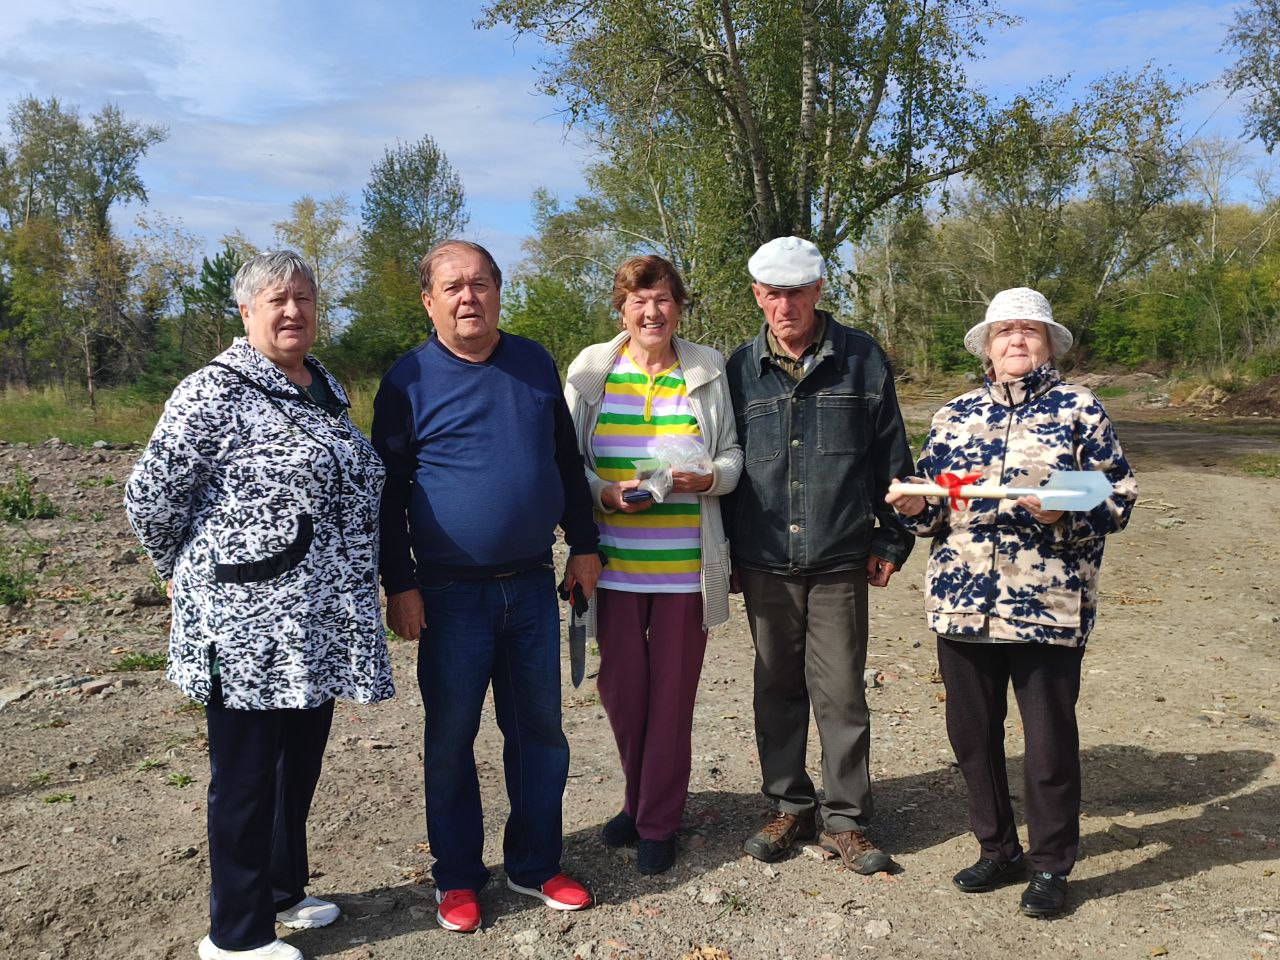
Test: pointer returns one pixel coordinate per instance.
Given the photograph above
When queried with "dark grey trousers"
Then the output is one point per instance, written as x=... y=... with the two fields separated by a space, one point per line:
x=810 y=636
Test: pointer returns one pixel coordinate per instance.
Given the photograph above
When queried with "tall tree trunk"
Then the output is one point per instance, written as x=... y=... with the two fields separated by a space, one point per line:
x=808 y=109
x=88 y=368
x=766 y=206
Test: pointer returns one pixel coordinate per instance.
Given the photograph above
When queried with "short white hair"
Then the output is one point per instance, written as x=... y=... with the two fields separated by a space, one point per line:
x=263 y=269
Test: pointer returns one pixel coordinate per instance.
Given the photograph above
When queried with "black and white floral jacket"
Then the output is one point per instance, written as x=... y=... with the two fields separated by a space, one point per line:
x=262 y=508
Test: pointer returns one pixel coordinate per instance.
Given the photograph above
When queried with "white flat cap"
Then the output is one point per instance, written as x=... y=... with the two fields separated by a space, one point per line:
x=786 y=262
x=1018 y=303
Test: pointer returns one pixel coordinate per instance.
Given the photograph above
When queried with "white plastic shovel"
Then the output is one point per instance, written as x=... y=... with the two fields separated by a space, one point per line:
x=1065 y=490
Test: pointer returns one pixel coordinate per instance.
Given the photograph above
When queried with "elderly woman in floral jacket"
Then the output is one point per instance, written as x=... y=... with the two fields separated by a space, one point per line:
x=258 y=500
x=1013 y=588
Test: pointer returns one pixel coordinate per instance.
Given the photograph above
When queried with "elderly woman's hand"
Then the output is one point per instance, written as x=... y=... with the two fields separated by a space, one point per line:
x=611 y=497
x=684 y=482
x=904 y=503
x=1032 y=506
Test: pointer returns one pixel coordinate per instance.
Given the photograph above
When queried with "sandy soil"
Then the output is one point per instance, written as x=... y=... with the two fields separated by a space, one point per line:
x=104 y=771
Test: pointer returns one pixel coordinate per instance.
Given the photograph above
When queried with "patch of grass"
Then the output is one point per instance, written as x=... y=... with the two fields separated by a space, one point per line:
x=59 y=798
x=190 y=706
x=33 y=416
x=179 y=779
x=15 y=577
x=40 y=779
x=150 y=764
x=54 y=724
x=105 y=481
x=13 y=588
x=140 y=661
x=97 y=516
x=1261 y=465
x=19 y=501
x=1112 y=392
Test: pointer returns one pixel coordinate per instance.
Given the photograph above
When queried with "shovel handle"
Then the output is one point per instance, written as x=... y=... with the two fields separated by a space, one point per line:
x=967 y=492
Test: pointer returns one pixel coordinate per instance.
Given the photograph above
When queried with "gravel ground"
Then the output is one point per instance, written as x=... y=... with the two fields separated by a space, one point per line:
x=104 y=771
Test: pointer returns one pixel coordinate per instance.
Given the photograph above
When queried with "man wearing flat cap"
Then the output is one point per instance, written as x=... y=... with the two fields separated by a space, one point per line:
x=809 y=530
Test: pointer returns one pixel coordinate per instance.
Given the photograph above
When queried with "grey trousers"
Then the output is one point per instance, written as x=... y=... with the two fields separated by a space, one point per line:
x=810 y=637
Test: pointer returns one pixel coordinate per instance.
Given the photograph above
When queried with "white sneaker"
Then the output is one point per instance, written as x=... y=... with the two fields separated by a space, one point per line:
x=309 y=914
x=276 y=950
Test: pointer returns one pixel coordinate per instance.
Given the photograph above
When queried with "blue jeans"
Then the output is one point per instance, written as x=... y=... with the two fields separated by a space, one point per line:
x=505 y=631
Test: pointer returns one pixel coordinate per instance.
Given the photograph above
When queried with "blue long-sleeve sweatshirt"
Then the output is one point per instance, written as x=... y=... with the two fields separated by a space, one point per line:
x=482 y=464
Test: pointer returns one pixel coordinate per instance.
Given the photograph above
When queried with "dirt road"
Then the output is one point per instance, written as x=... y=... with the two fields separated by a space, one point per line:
x=104 y=771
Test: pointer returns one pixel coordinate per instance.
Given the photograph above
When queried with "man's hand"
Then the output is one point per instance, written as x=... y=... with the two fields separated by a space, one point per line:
x=735 y=581
x=879 y=571
x=405 y=614
x=905 y=503
x=1032 y=506
x=584 y=570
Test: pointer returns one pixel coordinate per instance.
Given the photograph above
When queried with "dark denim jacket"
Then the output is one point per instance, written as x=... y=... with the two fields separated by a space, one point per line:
x=819 y=455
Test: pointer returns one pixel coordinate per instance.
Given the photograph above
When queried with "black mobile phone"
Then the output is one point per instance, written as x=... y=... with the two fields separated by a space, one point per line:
x=636 y=495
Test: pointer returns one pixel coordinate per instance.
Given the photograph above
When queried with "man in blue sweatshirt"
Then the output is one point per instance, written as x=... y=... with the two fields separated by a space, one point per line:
x=482 y=465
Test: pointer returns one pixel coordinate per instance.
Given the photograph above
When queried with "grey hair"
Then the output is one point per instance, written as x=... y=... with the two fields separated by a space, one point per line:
x=264 y=269
x=426 y=266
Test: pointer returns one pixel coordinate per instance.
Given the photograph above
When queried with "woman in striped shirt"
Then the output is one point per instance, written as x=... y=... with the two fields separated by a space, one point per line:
x=667 y=578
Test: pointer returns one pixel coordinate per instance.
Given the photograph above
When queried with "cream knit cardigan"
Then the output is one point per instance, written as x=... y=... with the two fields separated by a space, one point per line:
x=704 y=379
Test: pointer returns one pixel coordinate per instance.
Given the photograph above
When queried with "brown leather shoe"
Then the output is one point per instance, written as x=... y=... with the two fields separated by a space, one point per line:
x=779 y=832
x=858 y=853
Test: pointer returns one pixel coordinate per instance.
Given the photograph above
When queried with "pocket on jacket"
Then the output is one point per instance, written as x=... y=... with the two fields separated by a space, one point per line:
x=842 y=424
x=762 y=431
x=273 y=565
x=1041 y=604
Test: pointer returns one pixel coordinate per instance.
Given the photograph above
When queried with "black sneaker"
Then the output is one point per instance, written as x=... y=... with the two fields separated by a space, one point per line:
x=1045 y=895
x=988 y=874
x=655 y=856
x=620 y=831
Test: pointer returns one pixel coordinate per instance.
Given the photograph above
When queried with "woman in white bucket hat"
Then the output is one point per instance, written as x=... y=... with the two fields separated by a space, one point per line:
x=1012 y=589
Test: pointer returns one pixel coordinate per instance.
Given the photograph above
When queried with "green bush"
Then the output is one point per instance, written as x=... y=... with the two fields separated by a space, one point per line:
x=19 y=501
x=140 y=661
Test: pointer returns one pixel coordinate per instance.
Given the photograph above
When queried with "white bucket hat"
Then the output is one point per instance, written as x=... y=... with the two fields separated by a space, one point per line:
x=1018 y=303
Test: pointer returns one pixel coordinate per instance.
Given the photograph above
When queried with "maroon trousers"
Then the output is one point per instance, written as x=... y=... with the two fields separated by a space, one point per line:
x=651 y=649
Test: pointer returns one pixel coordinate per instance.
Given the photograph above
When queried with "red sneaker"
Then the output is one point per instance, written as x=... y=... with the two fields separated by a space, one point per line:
x=459 y=910
x=559 y=893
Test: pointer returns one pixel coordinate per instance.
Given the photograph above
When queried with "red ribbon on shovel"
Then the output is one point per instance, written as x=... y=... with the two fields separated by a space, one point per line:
x=953 y=482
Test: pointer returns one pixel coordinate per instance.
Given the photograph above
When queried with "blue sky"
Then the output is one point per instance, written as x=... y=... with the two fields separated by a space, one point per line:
x=263 y=104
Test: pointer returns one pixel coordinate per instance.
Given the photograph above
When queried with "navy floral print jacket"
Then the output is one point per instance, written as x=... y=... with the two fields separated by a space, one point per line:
x=994 y=571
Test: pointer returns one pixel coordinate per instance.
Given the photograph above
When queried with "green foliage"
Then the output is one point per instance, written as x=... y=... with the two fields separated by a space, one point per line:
x=210 y=308
x=19 y=501
x=33 y=416
x=318 y=231
x=40 y=779
x=413 y=200
x=548 y=310
x=150 y=764
x=1254 y=38
x=1261 y=465
x=179 y=780
x=13 y=588
x=72 y=310
x=59 y=798
x=140 y=661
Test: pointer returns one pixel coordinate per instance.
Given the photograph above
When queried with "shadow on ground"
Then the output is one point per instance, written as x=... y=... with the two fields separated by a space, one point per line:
x=915 y=813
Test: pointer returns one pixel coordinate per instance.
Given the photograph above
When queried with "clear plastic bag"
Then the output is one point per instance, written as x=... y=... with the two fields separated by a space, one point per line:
x=683 y=453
